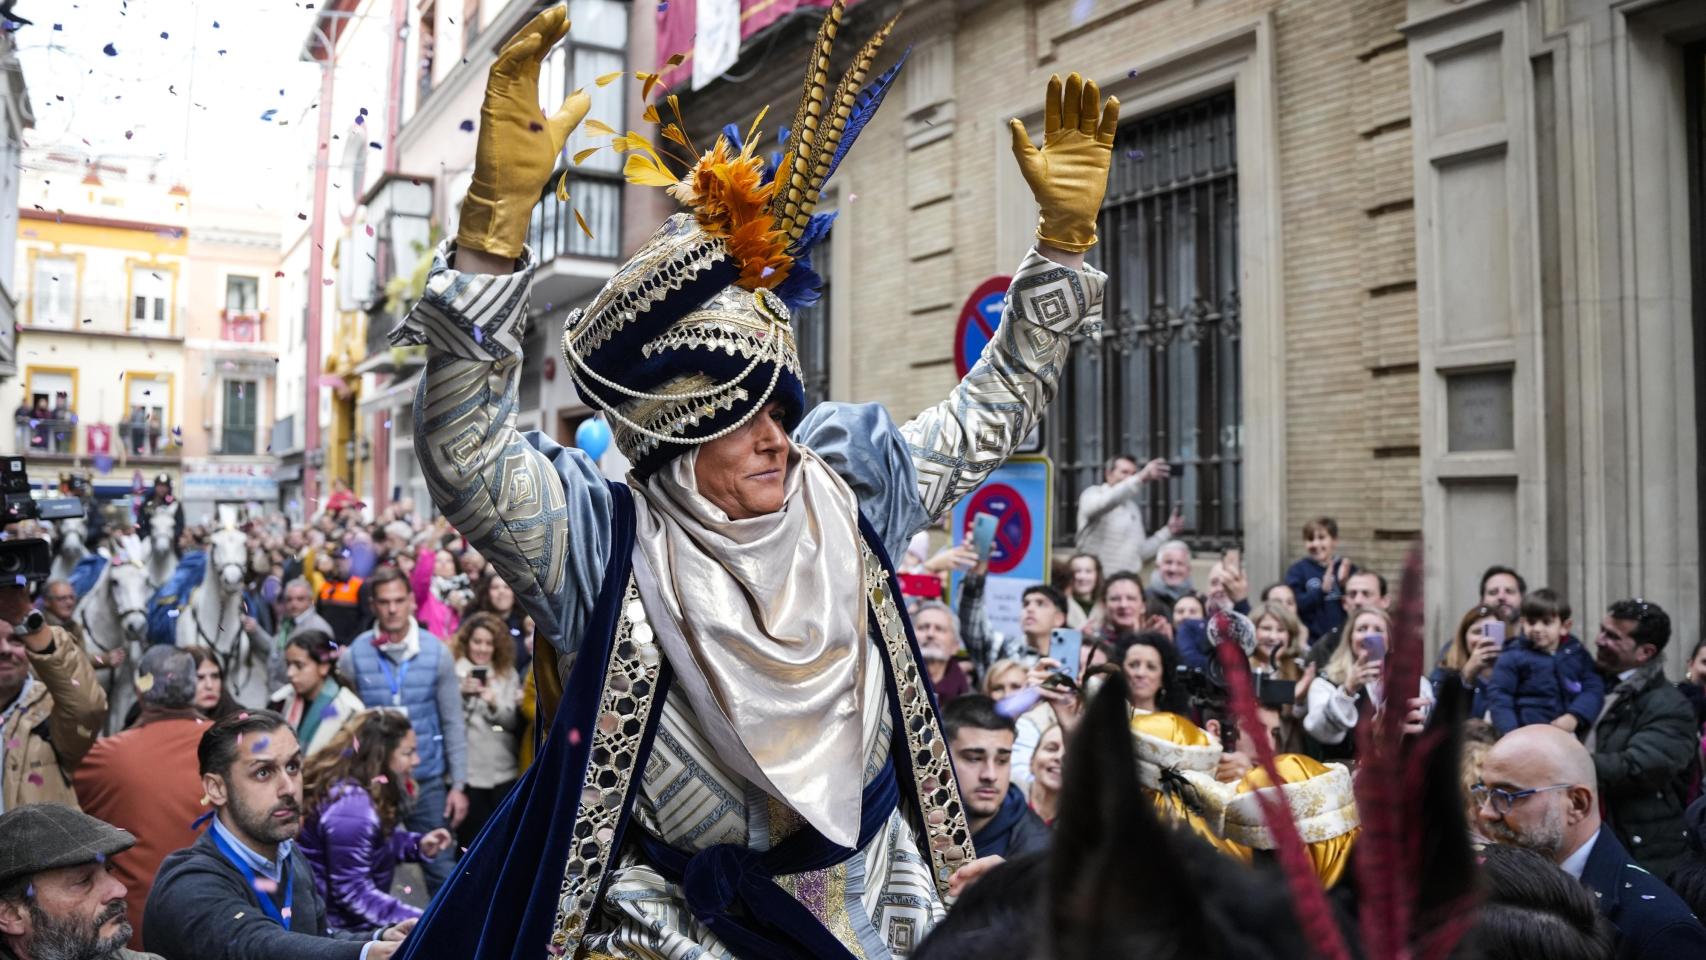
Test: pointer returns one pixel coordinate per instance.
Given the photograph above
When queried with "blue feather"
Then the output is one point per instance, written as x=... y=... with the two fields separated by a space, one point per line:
x=864 y=108
x=731 y=133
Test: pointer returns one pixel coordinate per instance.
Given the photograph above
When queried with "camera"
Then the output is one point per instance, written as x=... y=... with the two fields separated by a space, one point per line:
x=19 y=503
x=28 y=560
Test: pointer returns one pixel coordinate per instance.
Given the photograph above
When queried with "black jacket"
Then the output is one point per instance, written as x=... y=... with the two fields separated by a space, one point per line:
x=1644 y=750
x=1651 y=920
x=200 y=908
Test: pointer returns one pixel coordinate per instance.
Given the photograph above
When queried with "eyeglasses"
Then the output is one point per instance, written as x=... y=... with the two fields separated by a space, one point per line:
x=1504 y=800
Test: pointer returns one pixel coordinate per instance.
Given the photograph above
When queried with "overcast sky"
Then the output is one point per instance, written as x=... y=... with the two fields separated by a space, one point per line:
x=187 y=80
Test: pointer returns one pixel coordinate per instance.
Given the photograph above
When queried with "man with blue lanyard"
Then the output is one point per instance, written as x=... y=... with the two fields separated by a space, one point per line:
x=242 y=890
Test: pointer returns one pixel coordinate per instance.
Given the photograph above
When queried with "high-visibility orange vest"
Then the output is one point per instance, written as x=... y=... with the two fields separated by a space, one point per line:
x=344 y=593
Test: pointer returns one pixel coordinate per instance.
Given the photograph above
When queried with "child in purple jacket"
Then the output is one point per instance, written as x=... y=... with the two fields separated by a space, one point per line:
x=354 y=794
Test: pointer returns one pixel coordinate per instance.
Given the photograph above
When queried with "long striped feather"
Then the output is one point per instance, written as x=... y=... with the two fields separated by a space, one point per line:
x=828 y=137
x=804 y=131
x=869 y=100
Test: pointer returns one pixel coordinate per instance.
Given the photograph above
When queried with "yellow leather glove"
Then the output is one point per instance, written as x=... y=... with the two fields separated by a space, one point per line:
x=518 y=144
x=1069 y=175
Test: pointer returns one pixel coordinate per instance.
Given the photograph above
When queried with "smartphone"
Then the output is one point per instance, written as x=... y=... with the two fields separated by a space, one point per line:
x=983 y=535
x=1066 y=646
x=1019 y=702
x=1375 y=645
x=1232 y=560
x=480 y=673
x=1495 y=632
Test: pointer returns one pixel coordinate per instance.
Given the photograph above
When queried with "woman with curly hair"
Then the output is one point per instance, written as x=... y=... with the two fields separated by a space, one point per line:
x=354 y=793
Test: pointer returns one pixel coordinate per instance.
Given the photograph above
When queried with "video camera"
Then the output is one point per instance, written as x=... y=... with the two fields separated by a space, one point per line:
x=29 y=559
x=1207 y=688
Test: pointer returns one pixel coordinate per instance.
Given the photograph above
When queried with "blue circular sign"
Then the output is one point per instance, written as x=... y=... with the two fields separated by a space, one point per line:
x=979 y=319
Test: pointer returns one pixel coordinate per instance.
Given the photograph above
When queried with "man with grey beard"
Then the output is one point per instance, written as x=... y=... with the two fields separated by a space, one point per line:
x=1538 y=790
x=59 y=899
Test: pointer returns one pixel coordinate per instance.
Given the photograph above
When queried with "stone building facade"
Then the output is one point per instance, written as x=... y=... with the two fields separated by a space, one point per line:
x=1423 y=266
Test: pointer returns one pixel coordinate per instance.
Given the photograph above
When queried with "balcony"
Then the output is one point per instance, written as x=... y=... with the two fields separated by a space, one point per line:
x=69 y=439
x=246 y=326
x=103 y=316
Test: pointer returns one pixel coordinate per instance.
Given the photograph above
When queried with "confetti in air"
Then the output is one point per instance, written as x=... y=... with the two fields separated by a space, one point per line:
x=110 y=50
x=467 y=126
x=265 y=885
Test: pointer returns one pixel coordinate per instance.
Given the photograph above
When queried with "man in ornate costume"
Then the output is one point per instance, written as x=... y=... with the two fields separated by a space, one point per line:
x=746 y=761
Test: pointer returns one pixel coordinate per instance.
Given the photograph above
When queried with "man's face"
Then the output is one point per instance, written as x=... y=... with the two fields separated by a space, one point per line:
x=61 y=600
x=341 y=567
x=743 y=473
x=1363 y=590
x=297 y=600
x=983 y=762
x=1124 y=604
x=262 y=792
x=74 y=913
x=1121 y=469
x=1538 y=822
x=1038 y=615
x=935 y=633
x=14 y=662
x=1175 y=566
x=1281 y=594
x=393 y=606
x=1501 y=590
x=1617 y=650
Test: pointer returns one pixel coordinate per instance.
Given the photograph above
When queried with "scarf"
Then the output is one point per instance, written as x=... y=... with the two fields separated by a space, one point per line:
x=997 y=834
x=313 y=713
x=764 y=623
x=1638 y=681
x=402 y=648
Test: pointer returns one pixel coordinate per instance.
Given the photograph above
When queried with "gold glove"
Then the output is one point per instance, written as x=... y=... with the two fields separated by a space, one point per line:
x=1069 y=175
x=518 y=145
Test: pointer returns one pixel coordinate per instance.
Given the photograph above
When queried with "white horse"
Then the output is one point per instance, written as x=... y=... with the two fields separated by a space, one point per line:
x=159 y=551
x=214 y=619
x=114 y=614
x=71 y=547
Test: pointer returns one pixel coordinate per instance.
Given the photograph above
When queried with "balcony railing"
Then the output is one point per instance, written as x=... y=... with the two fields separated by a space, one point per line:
x=104 y=314
x=245 y=326
x=68 y=438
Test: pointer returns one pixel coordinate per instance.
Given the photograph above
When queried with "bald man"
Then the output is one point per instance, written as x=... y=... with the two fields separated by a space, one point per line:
x=1538 y=790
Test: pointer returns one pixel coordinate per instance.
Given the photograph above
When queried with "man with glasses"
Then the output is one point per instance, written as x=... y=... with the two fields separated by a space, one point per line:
x=1539 y=790
x=1646 y=738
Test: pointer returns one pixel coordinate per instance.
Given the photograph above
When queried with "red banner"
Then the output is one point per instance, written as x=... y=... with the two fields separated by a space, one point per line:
x=678 y=24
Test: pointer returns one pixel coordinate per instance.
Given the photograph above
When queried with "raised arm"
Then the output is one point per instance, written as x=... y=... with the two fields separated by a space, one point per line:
x=958 y=442
x=538 y=512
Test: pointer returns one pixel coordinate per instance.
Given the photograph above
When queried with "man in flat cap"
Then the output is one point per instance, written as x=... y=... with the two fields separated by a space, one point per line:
x=58 y=897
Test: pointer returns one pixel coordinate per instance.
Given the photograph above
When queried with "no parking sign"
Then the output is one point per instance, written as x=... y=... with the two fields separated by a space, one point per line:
x=1020 y=496
x=979 y=318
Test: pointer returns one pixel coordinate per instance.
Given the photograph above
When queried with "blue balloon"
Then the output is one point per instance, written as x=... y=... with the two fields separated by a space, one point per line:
x=593 y=436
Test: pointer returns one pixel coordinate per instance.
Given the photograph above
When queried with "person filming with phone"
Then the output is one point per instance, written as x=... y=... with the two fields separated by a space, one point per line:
x=491 y=705
x=1351 y=690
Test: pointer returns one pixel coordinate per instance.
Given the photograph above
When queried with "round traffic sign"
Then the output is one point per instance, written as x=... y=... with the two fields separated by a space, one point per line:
x=978 y=320
x=1012 y=524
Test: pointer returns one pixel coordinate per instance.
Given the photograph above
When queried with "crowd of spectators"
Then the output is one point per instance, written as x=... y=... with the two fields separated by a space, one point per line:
x=401 y=701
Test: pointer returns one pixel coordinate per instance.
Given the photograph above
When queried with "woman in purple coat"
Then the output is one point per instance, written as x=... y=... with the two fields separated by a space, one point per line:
x=355 y=791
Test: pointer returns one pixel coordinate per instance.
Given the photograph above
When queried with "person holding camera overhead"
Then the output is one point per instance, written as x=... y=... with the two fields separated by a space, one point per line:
x=491 y=702
x=51 y=707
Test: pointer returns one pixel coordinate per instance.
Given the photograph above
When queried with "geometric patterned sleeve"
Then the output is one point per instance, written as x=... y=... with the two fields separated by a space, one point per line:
x=540 y=513
x=958 y=442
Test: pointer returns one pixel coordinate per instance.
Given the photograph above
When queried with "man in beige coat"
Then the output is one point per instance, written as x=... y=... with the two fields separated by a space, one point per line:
x=51 y=706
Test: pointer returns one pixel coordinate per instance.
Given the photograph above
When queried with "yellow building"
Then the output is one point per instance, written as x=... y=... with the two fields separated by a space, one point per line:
x=102 y=259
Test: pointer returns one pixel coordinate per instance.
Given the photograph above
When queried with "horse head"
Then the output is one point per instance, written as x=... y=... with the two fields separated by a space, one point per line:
x=73 y=534
x=162 y=532
x=128 y=592
x=229 y=555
